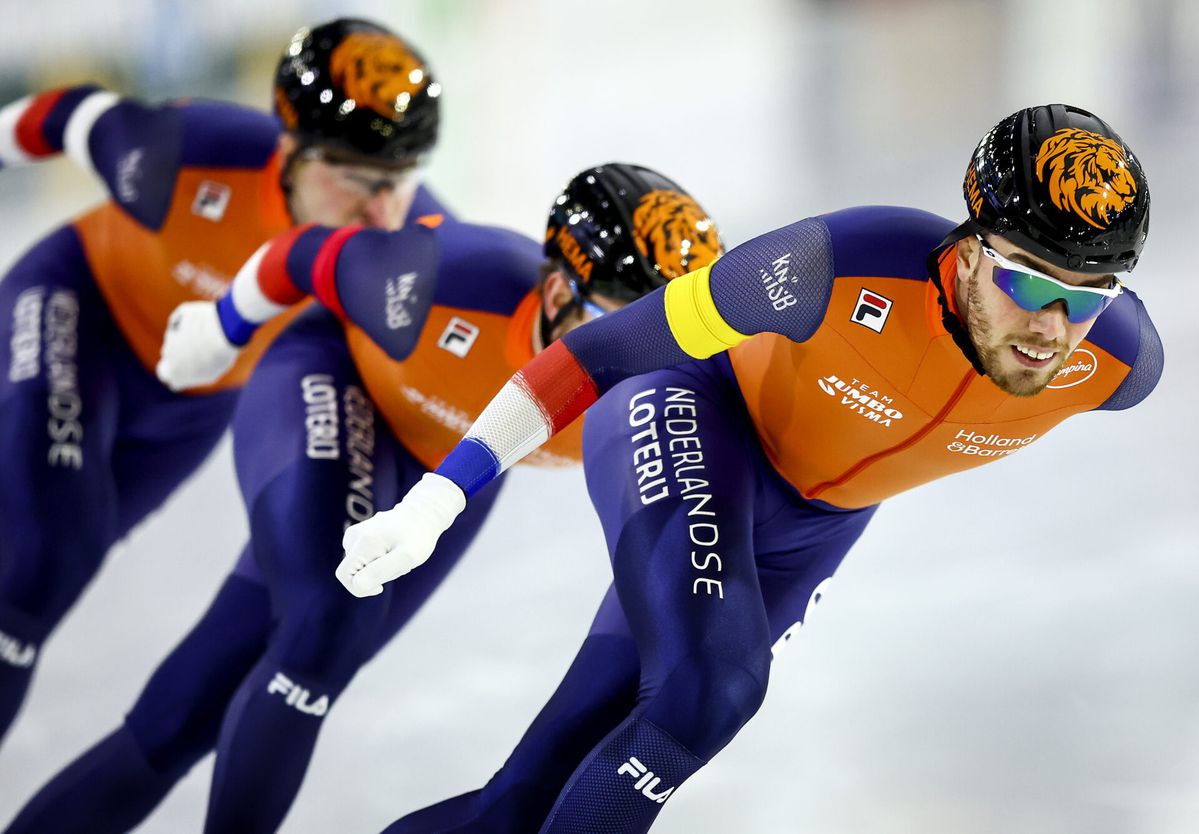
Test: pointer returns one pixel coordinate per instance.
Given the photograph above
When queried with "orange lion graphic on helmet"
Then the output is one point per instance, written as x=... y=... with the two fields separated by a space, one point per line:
x=377 y=71
x=677 y=229
x=1087 y=174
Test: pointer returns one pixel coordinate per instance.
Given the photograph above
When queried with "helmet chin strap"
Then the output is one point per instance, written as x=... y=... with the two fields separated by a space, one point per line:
x=548 y=325
x=286 y=185
x=953 y=325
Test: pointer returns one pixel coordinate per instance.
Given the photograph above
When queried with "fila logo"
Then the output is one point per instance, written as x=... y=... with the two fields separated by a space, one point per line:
x=871 y=310
x=458 y=337
x=646 y=780
x=212 y=198
x=297 y=696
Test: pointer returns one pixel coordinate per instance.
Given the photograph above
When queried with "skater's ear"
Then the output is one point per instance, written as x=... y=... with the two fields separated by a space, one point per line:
x=286 y=146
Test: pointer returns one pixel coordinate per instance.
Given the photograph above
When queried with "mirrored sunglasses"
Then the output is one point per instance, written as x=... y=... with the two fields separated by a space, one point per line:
x=1033 y=290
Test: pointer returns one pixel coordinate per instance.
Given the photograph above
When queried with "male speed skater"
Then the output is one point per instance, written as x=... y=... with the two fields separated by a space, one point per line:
x=785 y=391
x=93 y=441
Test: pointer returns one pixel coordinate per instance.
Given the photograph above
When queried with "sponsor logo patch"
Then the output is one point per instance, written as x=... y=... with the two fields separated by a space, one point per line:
x=25 y=345
x=967 y=442
x=871 y=310
x=458 y=337
x=212 y=198
x=1080 y=367
x=297 y=696
x=647 y=782
x=200 y=279
x=861 y=398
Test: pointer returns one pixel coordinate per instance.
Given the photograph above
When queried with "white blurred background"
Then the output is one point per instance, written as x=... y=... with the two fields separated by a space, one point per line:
x=1009 y=650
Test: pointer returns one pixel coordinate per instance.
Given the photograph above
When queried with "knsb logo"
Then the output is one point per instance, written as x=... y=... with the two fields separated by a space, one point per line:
x=297 y=696
x=129 y=175
x=871 y=310
x=397 y=293
x=861 y=399
x=16 y=653
x=646 y=780
x=1080 y=367
x=775 y=281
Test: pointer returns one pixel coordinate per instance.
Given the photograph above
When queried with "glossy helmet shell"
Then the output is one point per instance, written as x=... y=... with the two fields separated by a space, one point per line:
x=1058 y=182
x=355 y=87
x=623 y=230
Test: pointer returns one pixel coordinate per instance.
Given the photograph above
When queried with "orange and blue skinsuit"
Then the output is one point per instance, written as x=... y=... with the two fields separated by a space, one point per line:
x=730 y=488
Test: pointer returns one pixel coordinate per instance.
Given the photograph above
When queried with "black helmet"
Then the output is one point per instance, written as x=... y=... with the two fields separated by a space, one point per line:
x=622 y=230
x=1060 y=183
x=358 y=88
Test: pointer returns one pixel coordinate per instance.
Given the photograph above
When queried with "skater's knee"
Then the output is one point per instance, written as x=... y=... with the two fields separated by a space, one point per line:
x=48 y=564
x=169 y=750
x=707 y=699
x=178 y=716
x=329 y=639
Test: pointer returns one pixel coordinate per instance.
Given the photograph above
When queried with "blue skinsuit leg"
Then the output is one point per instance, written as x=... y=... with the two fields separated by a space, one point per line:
x=116 y=784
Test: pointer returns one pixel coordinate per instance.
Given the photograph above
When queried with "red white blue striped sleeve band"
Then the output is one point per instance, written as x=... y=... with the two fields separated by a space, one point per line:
x=79 y=127
x=35 y=127
x=540 y=400
x=324 y=269
x=261 y=290
x=19 y=144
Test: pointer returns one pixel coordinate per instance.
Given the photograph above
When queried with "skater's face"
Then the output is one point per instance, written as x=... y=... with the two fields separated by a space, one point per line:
x=332 y=191
x=1020 y=349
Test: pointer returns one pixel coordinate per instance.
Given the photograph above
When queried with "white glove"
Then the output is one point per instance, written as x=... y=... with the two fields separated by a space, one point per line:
x=195 y=350
x=393 y=542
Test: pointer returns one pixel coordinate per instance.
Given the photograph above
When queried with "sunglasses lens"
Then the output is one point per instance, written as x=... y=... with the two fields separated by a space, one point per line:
x=1033 y=293
x=1082 y=307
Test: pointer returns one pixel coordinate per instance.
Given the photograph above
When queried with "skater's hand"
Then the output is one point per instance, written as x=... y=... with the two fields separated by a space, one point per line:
x=393 y=542
x=195 y=350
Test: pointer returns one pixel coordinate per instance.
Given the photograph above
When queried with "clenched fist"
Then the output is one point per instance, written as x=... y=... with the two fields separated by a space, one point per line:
x=195 y=350
x=393 y=542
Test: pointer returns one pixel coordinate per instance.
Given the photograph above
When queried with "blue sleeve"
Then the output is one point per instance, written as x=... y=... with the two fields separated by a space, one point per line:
x=1145 y=346
x=636 y=339
x=136 y=151
x=779 y=282
x=55 y=125
x=217 y=134
x=384 y=281
x=485 y=268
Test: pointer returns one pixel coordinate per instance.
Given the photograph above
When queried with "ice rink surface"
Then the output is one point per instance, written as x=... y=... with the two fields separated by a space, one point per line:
x=1007 y=650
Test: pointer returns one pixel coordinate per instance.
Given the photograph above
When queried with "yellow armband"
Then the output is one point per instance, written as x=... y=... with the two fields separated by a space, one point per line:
x=694 y=321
